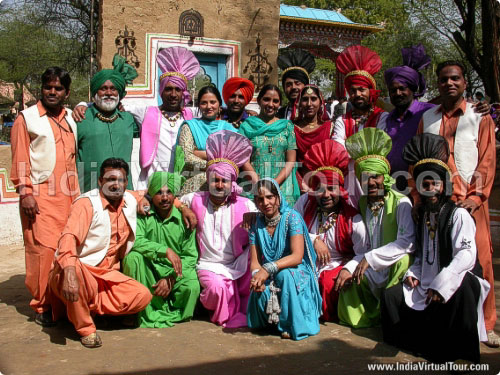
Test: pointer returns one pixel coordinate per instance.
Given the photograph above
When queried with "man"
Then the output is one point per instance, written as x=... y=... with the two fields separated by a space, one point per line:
x=223 y=268
x=341 y=108
x=359 y=64
x=159 y=126
x=164 y=257
x=297 y=65
x=44 y=172
x=106 y=131
x=387 y=216
x=237 y=93
x=437 y=311
x=100 y=231
x=473 y=164
x=336 y=229
x=330 y=106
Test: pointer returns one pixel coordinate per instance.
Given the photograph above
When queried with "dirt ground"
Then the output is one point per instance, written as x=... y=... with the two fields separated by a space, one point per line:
x=196 y=347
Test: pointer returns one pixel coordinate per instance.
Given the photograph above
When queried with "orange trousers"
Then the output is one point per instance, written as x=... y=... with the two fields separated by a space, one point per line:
x=110 y=293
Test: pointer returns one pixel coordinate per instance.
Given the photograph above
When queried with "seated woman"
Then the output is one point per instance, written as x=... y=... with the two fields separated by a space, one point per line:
x=193 y=136
x=273 y=141
x=284 y=284
x=312 y=125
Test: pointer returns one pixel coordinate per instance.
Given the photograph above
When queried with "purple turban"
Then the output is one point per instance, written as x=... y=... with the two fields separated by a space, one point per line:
x=227 y=151
x=414 y=60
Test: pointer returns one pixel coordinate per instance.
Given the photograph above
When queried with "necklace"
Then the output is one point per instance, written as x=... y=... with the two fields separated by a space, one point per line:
x=430 y=228
x=272 y=222
x=432 y=236
x=217 y=206
x=103 y=118
x=375 y=207
x=361 y=119
x=330 y=221
x=172 y=120
x=269 y=144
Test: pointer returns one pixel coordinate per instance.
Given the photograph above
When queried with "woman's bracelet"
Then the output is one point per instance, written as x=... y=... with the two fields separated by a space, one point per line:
x=271 y=268
x=255 y=271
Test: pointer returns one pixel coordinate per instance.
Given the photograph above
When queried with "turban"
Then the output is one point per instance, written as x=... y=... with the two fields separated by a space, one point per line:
x=359 y=64
x=328 y=159
x=369 y=148
x=121 y=75
x=236 y=83
x=158 y=180
x=409 y=75
x=178 y=66
x=429 y=154
x=297 y=64
x=227 y=151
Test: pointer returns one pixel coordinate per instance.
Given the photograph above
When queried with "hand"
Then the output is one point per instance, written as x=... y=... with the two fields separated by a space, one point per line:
x=70 y=285
x=79 y=113
x=344 y=279
x=249 y=219
x=469 y=205
x=414 y=212
x=482 y=108
x=360 y=270
x=143 y=207
x=190 y=220
x=433 y=296
x=29 y=207
x=322 y=251
x=257 y=284
x=411 y=282
x=176 y=261
x=164 y=286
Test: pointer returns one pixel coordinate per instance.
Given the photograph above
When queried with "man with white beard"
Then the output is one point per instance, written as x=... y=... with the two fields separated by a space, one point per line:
x=106 y=131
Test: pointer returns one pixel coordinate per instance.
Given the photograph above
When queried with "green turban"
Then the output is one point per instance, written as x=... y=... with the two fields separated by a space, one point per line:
x=121 y=75
x=158 y=180
x=369 y=149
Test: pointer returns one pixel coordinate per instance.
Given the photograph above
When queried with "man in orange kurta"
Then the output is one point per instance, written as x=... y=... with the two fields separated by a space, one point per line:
x=87 y=285
x=471 y=195
x=46 y=191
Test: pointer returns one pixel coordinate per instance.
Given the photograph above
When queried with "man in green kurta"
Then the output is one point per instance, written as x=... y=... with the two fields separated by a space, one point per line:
x=387 y=215
x=164 y=257
x=106 y=131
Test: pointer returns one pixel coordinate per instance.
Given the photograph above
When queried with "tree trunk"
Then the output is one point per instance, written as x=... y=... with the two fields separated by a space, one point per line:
x=490 y=63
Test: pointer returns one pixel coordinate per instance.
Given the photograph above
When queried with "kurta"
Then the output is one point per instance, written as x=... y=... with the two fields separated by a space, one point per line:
x=359 y=305
x=54 y=198
x=479 y=191
x=442 y=331
x=98 y=141
x=339 y=258
x=103 y=288
x=147 y=263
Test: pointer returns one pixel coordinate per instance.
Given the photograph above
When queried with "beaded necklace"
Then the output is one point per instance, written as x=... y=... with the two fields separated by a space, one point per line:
x=361 y=119
x=103 y=118
x=172 y=120
x=330 y=221
x=375 y=207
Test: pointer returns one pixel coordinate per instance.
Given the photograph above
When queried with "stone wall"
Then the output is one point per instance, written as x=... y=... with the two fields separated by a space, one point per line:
x=235 y=20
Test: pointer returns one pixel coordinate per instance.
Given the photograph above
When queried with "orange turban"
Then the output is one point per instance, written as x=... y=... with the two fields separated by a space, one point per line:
x=236 y=83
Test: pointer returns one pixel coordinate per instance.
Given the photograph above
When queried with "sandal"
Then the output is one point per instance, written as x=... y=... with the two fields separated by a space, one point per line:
x=493 y=339
x=91 y=341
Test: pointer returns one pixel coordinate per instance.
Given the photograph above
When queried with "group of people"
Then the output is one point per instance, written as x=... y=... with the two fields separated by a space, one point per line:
x=270 y=220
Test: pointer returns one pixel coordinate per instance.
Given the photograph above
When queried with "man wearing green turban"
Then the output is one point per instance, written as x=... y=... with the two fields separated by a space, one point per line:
x=164 y=257
x=387 y=216
x=106 y=131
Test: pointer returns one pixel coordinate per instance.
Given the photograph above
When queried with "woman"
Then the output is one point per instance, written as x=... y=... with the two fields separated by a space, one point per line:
x=193 y=136
x=284 y=284
x=273 y=141
x=312 y=125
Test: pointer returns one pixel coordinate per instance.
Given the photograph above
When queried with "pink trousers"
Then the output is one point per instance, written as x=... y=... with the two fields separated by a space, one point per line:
x=226 y=299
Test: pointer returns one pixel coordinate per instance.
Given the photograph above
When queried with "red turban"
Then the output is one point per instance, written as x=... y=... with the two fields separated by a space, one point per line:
x=359 y=64
x=236 y=83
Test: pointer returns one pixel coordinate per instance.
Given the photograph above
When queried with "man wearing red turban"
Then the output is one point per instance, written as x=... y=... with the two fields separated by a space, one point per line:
x=336 y=228
x=237 y=93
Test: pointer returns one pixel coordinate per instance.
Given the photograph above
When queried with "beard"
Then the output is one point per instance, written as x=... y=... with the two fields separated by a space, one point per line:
x=433 y=206
x=362 y=106
x=107 y=103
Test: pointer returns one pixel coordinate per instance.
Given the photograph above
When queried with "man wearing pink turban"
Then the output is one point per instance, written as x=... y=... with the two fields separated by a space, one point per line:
x=223 y=267
x=237 y=93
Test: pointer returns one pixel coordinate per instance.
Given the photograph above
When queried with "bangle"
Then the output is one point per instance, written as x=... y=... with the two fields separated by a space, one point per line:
x=271 y=268
x=255 y=271
x=182 y=207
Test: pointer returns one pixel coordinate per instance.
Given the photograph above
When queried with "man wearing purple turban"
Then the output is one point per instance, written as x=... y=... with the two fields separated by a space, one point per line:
x=223 y=267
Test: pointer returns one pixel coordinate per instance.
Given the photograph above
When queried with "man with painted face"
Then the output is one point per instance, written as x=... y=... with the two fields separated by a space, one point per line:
x=336 y=229
x=387 y=216
x=100 y=231
x=438 y=309
x=223 y=268
x=106 y=131
x=237 y=93
x=297 y=65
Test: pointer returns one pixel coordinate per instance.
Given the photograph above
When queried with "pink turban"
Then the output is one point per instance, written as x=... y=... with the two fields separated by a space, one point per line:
x=227 y=151
x=236 y=83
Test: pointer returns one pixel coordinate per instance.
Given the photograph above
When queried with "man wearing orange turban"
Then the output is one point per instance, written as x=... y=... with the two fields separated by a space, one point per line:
x=237 y=93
